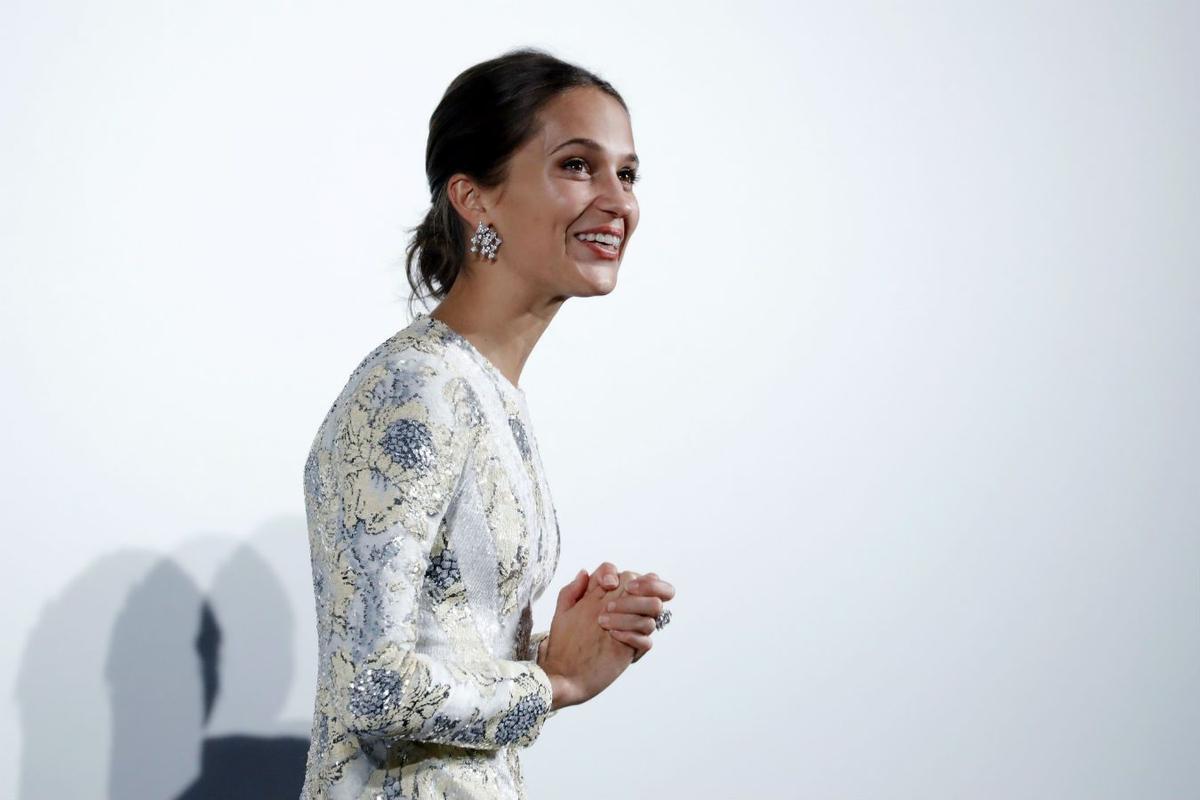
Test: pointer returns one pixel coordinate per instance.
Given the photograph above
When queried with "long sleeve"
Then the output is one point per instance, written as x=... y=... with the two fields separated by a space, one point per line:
x=535 y=644
x=397 y=461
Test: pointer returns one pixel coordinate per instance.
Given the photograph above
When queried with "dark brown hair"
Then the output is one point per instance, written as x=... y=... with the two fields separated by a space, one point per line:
x=487 y=113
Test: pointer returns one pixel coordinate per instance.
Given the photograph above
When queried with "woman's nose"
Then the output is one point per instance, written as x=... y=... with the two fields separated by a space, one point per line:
x=615 y=199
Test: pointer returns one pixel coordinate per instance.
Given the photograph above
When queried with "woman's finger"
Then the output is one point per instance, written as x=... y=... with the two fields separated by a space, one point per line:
x=627 y=622
x=604 y=577
x=633 y=604
x=647 y=586
x=569 y=595
x=639 y=642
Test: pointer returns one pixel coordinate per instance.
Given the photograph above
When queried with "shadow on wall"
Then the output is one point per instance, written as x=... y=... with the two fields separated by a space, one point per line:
x=136 y=683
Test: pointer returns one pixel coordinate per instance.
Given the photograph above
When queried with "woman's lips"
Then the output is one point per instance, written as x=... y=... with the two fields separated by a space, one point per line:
x=604 y=251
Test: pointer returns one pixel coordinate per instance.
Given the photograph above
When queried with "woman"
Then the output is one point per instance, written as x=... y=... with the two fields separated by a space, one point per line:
x=431 y=525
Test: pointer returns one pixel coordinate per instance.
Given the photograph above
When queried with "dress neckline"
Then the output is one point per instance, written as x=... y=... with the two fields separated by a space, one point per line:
x=479 y=358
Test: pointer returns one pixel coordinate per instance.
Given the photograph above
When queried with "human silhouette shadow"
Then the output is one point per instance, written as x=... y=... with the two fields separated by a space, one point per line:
x=244 y=766
x=135 y=683
x=62 y=696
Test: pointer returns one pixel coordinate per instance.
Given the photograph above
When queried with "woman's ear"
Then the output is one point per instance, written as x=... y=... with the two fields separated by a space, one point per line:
x=466 y=199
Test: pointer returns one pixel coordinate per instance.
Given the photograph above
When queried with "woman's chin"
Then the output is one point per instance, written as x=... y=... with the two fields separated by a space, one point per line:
x=601 y=276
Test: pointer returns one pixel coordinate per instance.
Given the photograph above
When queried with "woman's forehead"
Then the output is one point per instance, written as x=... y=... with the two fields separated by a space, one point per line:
x=587 y=118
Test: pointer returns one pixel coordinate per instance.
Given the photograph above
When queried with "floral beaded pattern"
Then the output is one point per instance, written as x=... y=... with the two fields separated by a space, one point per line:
x=432 y=532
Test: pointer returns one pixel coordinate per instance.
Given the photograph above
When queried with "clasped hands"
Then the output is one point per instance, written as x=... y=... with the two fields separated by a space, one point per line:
x=602 y=623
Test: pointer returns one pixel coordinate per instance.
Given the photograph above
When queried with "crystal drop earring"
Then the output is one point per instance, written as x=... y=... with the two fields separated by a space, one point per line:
x=485 y=241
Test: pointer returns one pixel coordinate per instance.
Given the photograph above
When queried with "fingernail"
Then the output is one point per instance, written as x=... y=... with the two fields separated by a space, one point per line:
x=612 y=605
x=604 y=619
x=610 y=581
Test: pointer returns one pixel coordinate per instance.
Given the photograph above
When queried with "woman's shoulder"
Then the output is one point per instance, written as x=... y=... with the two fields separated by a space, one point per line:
x=411 y=360
x=421 y=372
x=405 y=400
x=401 y=378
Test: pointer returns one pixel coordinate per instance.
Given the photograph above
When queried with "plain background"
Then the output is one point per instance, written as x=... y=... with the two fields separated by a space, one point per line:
x=898 y=386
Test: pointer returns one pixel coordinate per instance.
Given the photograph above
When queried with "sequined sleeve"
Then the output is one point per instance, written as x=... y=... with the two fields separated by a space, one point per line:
x=397 y=461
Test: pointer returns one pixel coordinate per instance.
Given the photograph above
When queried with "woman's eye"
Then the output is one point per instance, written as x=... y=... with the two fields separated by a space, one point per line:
x=629 y=176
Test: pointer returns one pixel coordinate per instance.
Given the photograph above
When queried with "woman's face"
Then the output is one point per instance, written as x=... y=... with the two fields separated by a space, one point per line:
x=576 y=174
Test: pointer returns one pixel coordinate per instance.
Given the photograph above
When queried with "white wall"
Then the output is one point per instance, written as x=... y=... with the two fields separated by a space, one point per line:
x=898 y=386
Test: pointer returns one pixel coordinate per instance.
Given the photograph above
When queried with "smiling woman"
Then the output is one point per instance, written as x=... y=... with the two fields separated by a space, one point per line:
x=541 y=152
x=431 y=525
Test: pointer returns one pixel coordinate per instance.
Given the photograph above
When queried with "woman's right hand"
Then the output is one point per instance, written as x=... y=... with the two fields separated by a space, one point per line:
x=581 y=658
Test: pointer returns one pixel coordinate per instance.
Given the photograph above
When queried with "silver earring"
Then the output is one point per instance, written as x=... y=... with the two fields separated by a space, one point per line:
x=485 y=241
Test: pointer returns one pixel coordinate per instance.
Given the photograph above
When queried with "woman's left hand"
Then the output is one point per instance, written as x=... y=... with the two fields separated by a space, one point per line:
x=629 y=611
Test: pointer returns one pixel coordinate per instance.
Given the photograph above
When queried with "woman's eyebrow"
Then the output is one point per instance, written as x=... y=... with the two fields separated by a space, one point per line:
x=591 y=144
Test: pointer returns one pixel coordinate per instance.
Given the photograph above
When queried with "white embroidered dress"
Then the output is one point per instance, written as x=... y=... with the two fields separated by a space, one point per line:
x=432 y=531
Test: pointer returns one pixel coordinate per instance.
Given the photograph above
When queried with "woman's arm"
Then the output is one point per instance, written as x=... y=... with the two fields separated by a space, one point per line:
x=396 y=463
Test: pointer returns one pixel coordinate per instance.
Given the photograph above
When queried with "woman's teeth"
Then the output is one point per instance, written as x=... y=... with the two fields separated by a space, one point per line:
x=601 y=238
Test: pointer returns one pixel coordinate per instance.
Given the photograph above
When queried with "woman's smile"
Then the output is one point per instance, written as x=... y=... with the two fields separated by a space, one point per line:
x=603 y=242
x=600 y=249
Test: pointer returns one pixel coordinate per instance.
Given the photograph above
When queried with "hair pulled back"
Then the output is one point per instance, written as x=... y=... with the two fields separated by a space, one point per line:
x=487 y=113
